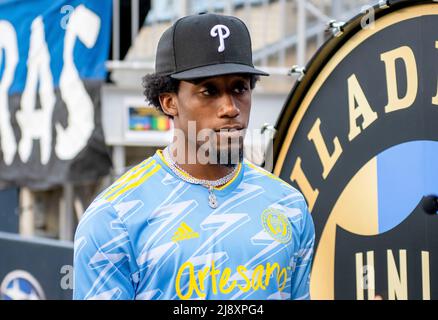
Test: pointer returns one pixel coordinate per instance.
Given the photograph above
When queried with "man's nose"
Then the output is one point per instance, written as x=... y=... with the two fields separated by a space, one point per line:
x=228 y=107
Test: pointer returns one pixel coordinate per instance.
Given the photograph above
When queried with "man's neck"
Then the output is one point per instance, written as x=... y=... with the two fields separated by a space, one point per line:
x=208 y=171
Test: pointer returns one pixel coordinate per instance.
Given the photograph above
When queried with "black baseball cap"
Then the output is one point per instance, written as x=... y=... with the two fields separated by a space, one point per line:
x=205 y=45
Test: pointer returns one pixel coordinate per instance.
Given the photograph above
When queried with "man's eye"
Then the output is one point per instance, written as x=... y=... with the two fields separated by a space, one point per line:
x=208 y=91
x=240 y=89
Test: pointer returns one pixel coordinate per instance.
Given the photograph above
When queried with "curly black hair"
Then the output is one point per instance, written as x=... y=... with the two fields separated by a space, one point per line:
x=154 y=85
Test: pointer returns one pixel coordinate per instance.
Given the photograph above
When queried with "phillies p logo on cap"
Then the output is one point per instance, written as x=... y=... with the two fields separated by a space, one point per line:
x=222 y=32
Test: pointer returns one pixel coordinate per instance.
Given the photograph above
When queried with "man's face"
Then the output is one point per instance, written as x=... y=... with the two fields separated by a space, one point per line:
x=220 y=108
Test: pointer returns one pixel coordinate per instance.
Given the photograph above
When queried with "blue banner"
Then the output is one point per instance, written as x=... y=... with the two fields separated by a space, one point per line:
x=52 y=65
x=90 y=62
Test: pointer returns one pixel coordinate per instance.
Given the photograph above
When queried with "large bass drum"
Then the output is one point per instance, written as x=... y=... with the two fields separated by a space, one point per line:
x=359 y=137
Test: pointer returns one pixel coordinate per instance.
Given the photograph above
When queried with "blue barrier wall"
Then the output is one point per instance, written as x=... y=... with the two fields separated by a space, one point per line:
x=32 y=269
x=9 y=210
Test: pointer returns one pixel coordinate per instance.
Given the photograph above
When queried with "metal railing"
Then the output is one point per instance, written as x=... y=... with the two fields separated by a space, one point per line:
x=284 y=32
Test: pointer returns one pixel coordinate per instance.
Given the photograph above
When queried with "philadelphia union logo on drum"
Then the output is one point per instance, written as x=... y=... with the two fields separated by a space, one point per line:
x=277 y=225
x=359 y=138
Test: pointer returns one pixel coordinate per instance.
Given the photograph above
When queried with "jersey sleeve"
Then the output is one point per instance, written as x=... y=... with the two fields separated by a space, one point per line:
x=300 y=284
x=104 y=263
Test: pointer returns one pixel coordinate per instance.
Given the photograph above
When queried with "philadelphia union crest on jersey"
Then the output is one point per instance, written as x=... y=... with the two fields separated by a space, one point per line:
x=277 y=225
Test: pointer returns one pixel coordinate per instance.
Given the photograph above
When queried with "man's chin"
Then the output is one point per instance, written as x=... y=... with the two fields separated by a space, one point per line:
x=230 y=157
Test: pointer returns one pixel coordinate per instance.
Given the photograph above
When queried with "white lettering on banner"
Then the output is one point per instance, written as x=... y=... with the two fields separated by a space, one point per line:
x=84 y=25
x=8 y=45
x=37 y=124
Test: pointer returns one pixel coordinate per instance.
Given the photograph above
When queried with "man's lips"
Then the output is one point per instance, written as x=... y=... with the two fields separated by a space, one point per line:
x=230 y=128
x=231 y=132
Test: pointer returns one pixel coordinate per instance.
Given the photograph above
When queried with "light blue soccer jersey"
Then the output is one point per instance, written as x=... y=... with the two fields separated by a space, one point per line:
x=153 y=236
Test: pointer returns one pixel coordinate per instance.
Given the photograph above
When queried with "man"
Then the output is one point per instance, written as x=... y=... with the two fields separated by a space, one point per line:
x=196 y=221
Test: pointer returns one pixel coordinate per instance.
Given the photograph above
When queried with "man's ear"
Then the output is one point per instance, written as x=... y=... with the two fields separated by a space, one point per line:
x=168 y=104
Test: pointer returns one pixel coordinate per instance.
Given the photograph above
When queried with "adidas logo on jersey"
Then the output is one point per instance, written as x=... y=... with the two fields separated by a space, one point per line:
x=184 y=232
